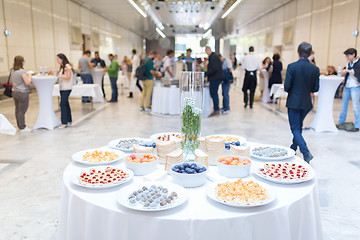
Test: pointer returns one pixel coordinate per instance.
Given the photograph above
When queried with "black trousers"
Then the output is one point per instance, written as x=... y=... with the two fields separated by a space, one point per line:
x=65 y=107
x=250 y=82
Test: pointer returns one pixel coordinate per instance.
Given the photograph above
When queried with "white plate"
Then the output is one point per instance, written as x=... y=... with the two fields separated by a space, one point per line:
x=242 y=140
x=154 y=137
x=114 y=142
x=210 y=191
x=75 y=179
x=124 y=193
x=290 y=153
x=78 y=156
x=284 y=181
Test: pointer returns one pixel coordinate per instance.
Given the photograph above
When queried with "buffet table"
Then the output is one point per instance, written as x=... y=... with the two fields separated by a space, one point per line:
x=94 y=214
x=91 y=90
x=166 y=100
x=278 y=91
x=46 y=117
x=324 y=119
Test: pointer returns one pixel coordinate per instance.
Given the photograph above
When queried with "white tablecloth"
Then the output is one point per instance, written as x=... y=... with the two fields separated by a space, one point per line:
x=91 y=90
x=46 y=118
x=97 y=75
x=94 y=214
x=324 y=119
x=278 y=90
x=166 y=100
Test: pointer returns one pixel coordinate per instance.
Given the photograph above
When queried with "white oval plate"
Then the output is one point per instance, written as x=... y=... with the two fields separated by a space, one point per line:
x=114 y=142
x=285 y=181
x=124 y=193
x=78 y=156
x=75 y=179
x=210 y=191
x=290 y=153
x=242 y=140
x=154 y=137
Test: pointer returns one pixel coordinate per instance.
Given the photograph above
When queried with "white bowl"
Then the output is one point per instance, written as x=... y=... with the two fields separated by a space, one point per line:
x=189 y=180
x=141 y=169
x=234 y=171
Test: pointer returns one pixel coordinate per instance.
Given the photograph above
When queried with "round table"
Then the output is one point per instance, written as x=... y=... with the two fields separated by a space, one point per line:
x=46 y=117
x=324 y=119
x=95 y=214
x=97 y=75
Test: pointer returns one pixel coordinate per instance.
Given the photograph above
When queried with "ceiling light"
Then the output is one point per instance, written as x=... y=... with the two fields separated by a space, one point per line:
x=138 y=8
x=207 y=34
x=160 y=33
x=231 y=8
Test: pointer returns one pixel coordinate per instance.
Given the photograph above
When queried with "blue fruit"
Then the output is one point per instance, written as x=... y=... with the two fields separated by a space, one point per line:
x=193 y=165
x=191 y=171
x=186 y=165
x=181 y=167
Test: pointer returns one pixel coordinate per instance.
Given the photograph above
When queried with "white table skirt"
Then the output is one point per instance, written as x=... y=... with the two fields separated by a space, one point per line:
x=97 y=76
x=94 y=214
x=166 y=100
x=324 y=119
x=46 y=117
x=91 y=90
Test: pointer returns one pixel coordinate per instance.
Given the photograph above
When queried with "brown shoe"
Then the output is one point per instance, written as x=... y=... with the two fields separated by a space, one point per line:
x=214 y=113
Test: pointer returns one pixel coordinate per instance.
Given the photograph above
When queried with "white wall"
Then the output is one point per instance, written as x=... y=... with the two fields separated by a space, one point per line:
x=326 y=24
x=41 y=28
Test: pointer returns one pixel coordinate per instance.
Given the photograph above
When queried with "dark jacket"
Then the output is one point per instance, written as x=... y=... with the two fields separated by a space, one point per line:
x=356 y=69
x=302 y=79
x=276 y=73
x=214 y=69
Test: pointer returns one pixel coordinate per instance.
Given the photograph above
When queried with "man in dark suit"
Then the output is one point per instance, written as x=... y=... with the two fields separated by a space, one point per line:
x=215 y=75
x=302 y=79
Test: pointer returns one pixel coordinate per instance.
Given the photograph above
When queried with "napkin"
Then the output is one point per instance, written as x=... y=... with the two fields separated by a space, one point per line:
x=6 y=127
x=155 y=176
x=216 y=177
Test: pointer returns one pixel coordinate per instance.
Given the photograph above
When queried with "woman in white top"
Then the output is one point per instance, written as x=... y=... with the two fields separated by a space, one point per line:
x=65 y=82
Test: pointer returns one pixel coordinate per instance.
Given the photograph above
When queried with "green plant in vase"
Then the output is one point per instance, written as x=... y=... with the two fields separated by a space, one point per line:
x=191 y=126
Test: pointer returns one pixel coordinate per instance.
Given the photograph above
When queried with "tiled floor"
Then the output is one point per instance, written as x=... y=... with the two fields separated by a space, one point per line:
x=31 y=164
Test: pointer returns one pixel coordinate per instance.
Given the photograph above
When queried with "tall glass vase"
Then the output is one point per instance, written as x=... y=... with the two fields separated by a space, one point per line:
x=191 y=106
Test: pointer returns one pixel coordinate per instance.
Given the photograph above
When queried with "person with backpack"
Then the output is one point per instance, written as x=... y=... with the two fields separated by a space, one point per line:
x=20 y=91
x=113 y=72
x=146 y=73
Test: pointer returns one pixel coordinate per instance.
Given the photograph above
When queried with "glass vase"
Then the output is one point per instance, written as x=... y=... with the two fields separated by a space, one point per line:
x=191 y=103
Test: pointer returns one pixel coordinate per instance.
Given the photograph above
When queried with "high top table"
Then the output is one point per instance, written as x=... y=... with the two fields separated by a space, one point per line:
x=97 y=75
x=90 y=214
x=44 y=86
x=324 y=120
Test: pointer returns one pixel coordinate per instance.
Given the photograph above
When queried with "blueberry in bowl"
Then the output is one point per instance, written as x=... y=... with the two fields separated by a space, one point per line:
x=189 y=174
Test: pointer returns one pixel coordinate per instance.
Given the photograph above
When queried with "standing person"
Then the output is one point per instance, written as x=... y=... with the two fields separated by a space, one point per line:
x=158 y=62
x=169 y=64
x=21 y=81
x=97 y=62
x=85 y=71
x=266 y=65
x=113 y=72
x=148 y=82
x=215 y=75
x=235 y=62
x=65 y=82
x=189 y=61
x=133 y=80
x=251 y=64
x=351 y=89
x=276 y=77
x=302 y=79
x=225 y=85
